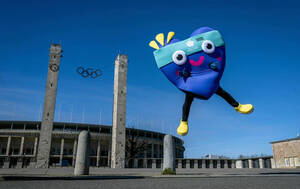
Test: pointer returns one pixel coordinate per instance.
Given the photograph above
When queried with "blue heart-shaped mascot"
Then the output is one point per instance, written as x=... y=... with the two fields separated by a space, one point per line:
x=195 y=66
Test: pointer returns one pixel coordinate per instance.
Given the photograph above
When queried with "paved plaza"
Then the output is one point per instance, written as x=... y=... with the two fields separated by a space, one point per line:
x=62 y=178
x=271 y=182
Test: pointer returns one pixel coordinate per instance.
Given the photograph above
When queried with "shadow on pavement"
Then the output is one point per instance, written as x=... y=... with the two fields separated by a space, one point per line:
x=281 y=173
x=24 y=178
x=191 y=173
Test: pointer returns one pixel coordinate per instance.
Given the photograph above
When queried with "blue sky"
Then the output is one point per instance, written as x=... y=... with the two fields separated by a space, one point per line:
x=262 y=39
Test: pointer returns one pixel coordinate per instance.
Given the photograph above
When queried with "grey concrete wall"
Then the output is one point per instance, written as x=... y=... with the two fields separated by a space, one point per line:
x=49 y=107
x=119 y=113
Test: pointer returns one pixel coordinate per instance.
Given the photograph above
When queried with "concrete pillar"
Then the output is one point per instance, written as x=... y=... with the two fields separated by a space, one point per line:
x=261 y=163
x=238 y=164
x=49 y=107
x=188 y=164
x=22 y=146
x=98 y=152
x=19 y=163
x=119 y=113
x=35 y=146
x=74 y=152
x=273 y=165
x=82 y=157
x=250 y=162
x=169 y=153
x=211 y=164
x=179 y=163
x=218 y=164
x=153 y=164
x=61 y=155
x=6 y=163
x=8 y=145
x=225 y=164
x=196 y=164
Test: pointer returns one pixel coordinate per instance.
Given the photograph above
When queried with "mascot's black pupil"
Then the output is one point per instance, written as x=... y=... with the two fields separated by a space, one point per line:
x=179 y=57
x=209 y=46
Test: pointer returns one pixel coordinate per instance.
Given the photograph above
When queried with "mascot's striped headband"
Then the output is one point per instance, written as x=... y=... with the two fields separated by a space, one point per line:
x=163 y=53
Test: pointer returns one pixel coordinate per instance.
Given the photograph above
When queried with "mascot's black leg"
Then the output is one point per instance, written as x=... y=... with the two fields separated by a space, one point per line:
x=241 y=108
x=226 y=96
x=183 y=127
x=187 y=106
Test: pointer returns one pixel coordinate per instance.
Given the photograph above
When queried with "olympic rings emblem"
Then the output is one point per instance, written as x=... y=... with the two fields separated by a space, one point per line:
x=89 y=72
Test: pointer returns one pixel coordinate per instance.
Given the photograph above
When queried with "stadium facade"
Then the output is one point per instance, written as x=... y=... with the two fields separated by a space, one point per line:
x=19 y=145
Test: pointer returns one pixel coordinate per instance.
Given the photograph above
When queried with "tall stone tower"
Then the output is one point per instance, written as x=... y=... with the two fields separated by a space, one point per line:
x=49 y=107
x=119 y=113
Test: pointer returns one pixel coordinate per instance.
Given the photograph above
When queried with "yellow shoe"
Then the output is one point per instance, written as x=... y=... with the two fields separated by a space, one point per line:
x=183 y=128
x=244 y=108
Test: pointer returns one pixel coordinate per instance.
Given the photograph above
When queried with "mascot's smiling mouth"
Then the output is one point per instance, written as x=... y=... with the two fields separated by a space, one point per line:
x=197 y=63
x=200 y=61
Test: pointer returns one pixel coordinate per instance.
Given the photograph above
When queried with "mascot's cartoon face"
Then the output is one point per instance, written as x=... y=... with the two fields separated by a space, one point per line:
x=194 y=65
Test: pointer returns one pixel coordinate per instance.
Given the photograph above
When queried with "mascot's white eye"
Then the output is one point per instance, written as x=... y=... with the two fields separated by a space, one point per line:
x=208 y=46
x=179 y=57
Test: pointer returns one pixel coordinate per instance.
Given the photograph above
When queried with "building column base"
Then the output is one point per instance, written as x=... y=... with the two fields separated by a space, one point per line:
x=196 y=164
x=153 y=164
x=32 y=165
x=6 y=165
x=19 y=163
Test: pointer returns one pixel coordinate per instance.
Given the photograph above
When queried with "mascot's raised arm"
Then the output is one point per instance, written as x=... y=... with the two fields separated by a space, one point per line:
x=195 y=66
